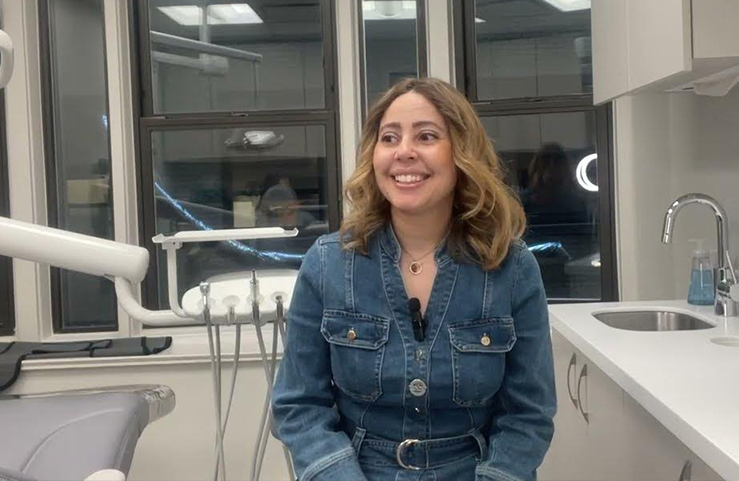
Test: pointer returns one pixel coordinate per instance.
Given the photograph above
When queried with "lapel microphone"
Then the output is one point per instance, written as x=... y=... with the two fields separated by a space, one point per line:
x=419 y=323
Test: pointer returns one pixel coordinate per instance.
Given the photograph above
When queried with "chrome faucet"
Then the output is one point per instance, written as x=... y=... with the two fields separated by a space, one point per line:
x=724 y=304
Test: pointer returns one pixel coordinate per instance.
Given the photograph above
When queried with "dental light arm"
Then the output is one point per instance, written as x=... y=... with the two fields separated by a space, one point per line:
x=124 y=264
x=6 y=65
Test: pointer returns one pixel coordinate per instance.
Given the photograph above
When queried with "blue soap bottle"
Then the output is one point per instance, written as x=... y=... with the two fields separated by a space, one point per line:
x=702 y=291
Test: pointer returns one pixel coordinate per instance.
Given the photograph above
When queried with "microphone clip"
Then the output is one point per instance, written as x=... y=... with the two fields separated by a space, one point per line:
x=417 y=320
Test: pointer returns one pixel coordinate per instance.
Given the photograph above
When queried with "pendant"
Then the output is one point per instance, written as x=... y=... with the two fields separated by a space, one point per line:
x=415 y=268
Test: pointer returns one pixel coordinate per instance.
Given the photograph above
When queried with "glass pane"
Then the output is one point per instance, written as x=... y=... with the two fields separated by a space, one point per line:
x=236 y=178
x=532 y=48
x=81 y=150
x=551 y=162
x=390 y=50
x=218 y=56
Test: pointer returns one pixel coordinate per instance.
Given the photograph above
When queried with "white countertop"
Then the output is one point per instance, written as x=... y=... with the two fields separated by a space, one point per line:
x=687 y=382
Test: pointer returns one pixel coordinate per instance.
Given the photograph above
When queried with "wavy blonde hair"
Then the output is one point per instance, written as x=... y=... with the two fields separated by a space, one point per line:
x=486 y=217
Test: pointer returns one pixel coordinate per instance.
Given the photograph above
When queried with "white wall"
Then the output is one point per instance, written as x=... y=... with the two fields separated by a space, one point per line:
x=668 y=145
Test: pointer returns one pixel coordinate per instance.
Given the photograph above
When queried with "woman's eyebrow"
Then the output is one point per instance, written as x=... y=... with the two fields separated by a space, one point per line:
x=420 y=123
x=426 y=123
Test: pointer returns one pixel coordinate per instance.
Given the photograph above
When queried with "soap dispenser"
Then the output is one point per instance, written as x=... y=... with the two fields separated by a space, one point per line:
x=702 y=289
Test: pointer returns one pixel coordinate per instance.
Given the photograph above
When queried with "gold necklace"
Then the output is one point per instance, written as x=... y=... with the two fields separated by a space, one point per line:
x=416 y=266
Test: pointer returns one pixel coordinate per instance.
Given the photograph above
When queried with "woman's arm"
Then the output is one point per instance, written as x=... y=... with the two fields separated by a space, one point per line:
x=526 y=401
x=303 y=405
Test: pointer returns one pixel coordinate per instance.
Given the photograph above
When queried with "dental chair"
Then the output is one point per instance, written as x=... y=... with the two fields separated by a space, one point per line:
x=76 y=435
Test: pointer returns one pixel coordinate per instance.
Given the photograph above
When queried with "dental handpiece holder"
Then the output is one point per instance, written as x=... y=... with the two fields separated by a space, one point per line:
x=228 y=300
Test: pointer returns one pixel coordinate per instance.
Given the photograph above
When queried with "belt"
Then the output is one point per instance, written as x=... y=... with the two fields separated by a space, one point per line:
x=417 y=454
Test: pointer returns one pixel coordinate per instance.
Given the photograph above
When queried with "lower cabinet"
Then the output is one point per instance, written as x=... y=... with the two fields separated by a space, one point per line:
x=602 y=434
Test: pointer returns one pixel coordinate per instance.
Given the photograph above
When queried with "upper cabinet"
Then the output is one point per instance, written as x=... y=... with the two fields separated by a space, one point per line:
x=662 y=45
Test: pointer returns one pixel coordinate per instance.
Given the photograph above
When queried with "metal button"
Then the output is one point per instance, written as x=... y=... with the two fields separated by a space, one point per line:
x=417 y=387
x=351 y=335
x=485 y=340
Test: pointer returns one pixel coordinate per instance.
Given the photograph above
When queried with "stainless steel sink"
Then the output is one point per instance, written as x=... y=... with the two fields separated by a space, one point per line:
x=651 y=321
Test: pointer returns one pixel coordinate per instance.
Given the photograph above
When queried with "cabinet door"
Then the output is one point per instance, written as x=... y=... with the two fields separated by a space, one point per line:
x=610 y=49
x=653 y=453
x=703 y=472
x=566 y=457
x=603 y=402
x=659 y=40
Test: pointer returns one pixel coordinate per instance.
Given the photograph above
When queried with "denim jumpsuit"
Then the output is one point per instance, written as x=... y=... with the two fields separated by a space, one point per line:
x=357 y=397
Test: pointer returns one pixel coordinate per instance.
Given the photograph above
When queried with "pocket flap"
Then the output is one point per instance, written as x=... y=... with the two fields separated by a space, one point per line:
x=369 y=332
x=485 y=335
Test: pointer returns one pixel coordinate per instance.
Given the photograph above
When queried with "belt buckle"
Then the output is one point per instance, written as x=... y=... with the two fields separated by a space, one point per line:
x=399 y=454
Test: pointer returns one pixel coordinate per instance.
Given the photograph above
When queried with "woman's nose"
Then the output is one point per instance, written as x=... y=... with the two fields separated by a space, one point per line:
x=406 y=150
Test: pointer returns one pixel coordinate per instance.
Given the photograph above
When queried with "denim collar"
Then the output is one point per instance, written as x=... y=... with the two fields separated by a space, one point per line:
x=391 y=245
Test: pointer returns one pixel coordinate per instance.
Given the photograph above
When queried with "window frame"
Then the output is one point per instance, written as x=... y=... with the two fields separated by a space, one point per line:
x=149 y=122
x=7 y=298
x=49 y=142
x=464 y=47
x=422 y=60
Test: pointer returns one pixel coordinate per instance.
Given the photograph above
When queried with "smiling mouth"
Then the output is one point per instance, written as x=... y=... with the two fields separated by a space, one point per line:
x=409 y=179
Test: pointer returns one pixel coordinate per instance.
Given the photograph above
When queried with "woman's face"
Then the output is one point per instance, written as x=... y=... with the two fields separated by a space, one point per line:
x=412 y=159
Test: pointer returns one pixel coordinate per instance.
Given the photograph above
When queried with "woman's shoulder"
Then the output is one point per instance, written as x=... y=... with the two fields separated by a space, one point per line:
x=331 y=243
x=332 y=238
x=518 y=251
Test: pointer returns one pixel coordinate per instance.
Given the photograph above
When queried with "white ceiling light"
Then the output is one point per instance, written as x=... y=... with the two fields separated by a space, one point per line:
x=479 y=20
x=226 y=14
x=569 y=5
x=389 y=10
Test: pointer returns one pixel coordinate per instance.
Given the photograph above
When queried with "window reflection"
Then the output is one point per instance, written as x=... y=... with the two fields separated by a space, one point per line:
x=532 y=48
x=238 y=178
x=390 y=44
x=260 y=55
x=542 y=154
x=81 y=153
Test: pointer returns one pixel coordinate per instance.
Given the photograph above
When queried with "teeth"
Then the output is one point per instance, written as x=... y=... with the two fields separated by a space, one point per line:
x=408 y=179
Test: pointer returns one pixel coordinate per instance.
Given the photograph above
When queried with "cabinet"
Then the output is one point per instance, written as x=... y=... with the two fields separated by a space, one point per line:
x=654 y=453
x=660 y=44
x=602 y=434
x=588 y=426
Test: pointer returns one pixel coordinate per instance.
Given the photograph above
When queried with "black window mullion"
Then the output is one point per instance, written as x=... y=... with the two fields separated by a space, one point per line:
x=362 y=61
x=421 y=44
x=459 y=43
x=606 y=203
x=146 y=95
x=329 y=54
x=470 y=50
x=7 y=307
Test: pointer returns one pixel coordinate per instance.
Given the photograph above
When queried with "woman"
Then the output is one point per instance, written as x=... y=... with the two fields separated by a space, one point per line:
x=454 y=385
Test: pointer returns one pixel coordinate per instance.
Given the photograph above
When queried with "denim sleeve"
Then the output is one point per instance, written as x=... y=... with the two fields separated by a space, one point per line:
x=305 y=415
x=526 y=402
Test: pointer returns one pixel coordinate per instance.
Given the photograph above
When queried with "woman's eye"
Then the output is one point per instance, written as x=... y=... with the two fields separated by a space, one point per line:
x=387 y=138
x=428 y=136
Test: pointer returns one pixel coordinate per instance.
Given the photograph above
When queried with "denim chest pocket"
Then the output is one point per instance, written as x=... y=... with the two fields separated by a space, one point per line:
x=357 y=345
x=478 y=358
